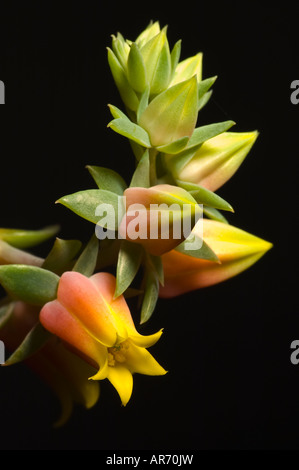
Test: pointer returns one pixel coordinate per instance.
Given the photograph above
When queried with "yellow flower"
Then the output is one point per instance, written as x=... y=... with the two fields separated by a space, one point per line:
x=101 y=330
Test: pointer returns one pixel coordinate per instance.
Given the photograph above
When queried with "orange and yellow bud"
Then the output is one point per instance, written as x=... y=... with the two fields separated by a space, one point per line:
x=236 y=249
x=216 y=161
x=158 y=218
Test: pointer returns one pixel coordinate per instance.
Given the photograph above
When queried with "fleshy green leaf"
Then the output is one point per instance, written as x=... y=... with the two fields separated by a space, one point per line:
x=60 y=257
x=107 y=179
x=163 y=70
x=205 y=196
x=86 y=204
x=157 y=265
x=87 y=261
x=121 y=49
x=141 y=176
x=214 y=214
x=148 y=33
x=204 y=86
x=204 y=100
x=203 y=133
x=166 y=118
x=116 y=112
x=175 y=56
x=174 y=147
x=129 y=260
x=204 y=252
x=26 y=238
x=127 y=94
x=31 y=284
x=143 y=103
x=37 y=337
x=157 y=61
x=136 y=69
x=130 y=130
x=151 y=294
x=187 y=68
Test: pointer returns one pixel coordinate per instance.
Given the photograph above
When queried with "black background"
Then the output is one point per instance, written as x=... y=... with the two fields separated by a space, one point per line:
x=230 y=384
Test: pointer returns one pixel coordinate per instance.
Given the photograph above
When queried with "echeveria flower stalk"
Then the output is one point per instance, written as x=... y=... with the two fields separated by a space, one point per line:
x=153 y=225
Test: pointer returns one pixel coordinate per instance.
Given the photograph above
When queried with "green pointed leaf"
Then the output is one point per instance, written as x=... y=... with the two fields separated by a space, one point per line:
x=107 y=179
x=214 y=214
x=175 y=56
x=31 y=284
x=156 y=56
x=121 y=49
x=166 y=118
x=203 y=133
x=141 y=176
x=6 y=312
x=61 y=256
x=86 y=205
x=130 y=130
x=178 y=161
x=136 y=69
x=204 y=252
x=163 y=70
x=187 y=68
x=33 y=342
x=116 y=112
x=205 y=85
x=150 y=298
x=148 y=33
x=126 y=92
x=174 y=147
x=157 y=266
x=87 y=261
x=143 y=103
x=129 y=260
x=204 y=100
x=205 y=196
x=26 y=238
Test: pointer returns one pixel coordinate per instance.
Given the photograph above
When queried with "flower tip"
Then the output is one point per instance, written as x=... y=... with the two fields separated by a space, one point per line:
x=267 y=246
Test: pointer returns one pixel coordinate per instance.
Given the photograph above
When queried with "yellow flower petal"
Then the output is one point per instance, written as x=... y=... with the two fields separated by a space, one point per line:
x=121 y=379
x=144 y=341
x=139 y=360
